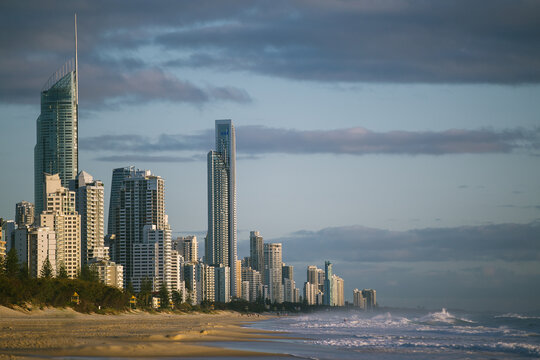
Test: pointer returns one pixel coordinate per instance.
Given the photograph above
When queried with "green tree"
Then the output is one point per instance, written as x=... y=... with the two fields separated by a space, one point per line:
x=23 y=272
x=12 y=263
x=164 y=295
x=2 y=265
x=46 y=270
x=129 y=288
x=146 y=290
x=62 y=272
x=89 y=273
x=176 y=298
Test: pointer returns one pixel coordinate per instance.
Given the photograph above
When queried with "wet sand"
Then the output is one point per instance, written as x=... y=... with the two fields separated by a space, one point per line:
x=64 y=333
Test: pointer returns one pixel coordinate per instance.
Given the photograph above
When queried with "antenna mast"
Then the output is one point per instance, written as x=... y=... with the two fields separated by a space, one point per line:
x=76 y=64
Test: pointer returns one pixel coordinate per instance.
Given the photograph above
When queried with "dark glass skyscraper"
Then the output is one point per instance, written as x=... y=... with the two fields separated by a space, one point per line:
x=220 y=244
x=56 y=150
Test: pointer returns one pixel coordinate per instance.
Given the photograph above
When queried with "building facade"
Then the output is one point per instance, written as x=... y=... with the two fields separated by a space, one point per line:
x=24 y=214
x=90 y=205
x=256 y=251
x=60 y=214
x=221 y=240
x=273 y=263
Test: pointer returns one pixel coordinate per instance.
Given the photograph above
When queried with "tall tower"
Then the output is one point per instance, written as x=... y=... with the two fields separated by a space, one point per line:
x=273 y=262
x=56 y=150
x=141 y=202
x=328 y=283
x=90 y=196
x=220 y=244
x=118 y=176
x=256 y=251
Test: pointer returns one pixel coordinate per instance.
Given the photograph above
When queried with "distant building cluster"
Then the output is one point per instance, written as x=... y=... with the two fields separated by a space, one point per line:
x=65 y=226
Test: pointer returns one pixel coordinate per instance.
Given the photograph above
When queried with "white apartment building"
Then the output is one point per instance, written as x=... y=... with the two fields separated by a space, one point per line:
x=273 y=271
x=61 y=216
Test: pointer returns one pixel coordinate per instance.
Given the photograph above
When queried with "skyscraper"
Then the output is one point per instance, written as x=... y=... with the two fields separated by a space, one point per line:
x=273 y=262
x=89 y=200
x=220 y=243
x=118 y=177
x=328 y=282
x=256 y=251
x=61 y=216
x=24 y=214
x=141 y=202
x=56 y=150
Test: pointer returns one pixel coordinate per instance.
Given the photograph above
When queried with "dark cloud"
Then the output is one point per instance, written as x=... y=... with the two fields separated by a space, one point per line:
x=506 y=242
x=361 y=41
x=148 y=158
x=253 y=140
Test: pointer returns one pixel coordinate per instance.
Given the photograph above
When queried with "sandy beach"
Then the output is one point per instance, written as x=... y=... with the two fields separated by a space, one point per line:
x=64 y=333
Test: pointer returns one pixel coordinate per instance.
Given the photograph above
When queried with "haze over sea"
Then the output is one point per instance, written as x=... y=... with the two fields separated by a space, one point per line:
x=404 y=334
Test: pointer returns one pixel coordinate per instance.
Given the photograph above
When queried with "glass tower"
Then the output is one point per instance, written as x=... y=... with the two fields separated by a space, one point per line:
x=220 y=244
x=56 y=150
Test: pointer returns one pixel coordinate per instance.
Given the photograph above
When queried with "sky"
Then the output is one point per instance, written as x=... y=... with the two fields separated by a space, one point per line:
x=398 y=139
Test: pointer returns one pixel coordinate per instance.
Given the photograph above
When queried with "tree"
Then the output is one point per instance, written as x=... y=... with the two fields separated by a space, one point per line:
x=176 y=298
x=12 y=263
x=62 y=272
x=146 y=290
x=129 y=288
x=89 y=273
x=164 y=295
x=46 y=270
x=23 y=272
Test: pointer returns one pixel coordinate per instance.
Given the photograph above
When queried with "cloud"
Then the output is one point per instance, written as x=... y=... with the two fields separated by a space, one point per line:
x=148 y=158
x=127 y=51
x=506 y=242
x=372 y=41
x=257 y=140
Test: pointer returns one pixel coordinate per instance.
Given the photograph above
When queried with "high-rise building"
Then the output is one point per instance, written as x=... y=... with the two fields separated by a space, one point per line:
x=328 y=298
x=222 y=280
x=24 y=214
x=287 y=272
x=118 y=176
x=41 y=247
x=56 y=150
x=89 y=205
x=109 y=272
x=3 y=249
x=61 y=215
x=256 y=251
x=370 y=297
x=338 y=294
x=8 y=233
x=273 y=263
x=221 y=240
x=253 y=277
x=151 y=258
x=187 y=247
x=358 y=299
x=141 y=202
x=312 y=275
x=310 y=293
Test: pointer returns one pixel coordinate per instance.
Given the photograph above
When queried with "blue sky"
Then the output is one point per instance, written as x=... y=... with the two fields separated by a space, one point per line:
x=399 y=123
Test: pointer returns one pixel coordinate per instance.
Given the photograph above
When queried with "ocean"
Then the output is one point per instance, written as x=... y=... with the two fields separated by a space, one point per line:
x=403 y=334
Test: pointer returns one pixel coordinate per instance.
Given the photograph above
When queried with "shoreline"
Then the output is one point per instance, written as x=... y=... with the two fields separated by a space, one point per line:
x=54 y=332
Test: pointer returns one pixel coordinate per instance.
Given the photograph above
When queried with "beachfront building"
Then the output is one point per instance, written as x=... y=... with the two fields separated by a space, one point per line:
x=61 y=216
x=273 y=271
x=256 y=251
x=140 y=204
x=358 y=299
x=90 y=205
x=57 y=150
x=109 y=273
x=221 y=240
x=24 y=214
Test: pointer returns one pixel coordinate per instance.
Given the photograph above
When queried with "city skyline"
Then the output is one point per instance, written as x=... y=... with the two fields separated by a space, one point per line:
x=403 y=177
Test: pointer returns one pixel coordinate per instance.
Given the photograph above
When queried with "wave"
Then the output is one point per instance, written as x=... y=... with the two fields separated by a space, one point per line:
x=517 y=316
x=443 y=317
x=391 y=343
